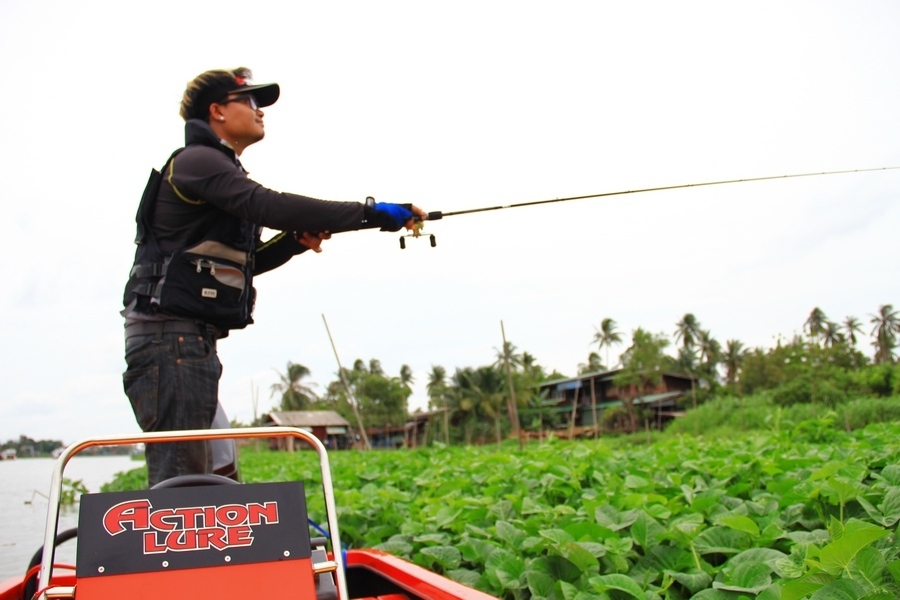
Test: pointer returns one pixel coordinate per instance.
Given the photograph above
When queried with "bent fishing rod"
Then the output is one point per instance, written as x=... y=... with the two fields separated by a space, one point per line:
x=437 y=215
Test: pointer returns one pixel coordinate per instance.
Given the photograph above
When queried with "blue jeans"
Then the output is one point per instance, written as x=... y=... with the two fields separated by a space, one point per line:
x=172 y=381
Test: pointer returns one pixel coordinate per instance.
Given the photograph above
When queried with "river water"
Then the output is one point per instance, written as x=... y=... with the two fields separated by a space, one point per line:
x=23 y=509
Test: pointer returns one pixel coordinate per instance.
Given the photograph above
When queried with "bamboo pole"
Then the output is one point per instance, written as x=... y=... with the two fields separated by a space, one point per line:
x=353 y=402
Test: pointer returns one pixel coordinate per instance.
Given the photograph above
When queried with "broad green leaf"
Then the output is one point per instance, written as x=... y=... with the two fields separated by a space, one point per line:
x=447 y=557
x=720 y=540
x=397 y=547
x=510 y=534
x=890 y=507
x=557 y=536
x=645 y=530
x=793 y=566
x=616 y=581
x=713 y=594
x=539 y=583
x=556 y=567
x=739 y=523
x=565 y=591
x=508 y=568
x=446 y=516
x=530 y=507
x=837 y=555
x=745 y=577
x=891 y=474
x=610 y=517
x=868 y=566
x=635 y=482
x=464 y=576
x=809 y=583
x=693 y=579
x=839 y=589
x=580 y=557
x=893 y=568
x=476 y=551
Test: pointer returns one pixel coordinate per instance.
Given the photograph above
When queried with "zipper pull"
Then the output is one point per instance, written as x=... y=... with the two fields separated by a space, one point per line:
x=199 y=265
x=212 y=268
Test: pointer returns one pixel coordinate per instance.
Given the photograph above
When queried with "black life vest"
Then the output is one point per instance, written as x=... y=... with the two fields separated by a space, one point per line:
x=210 y=281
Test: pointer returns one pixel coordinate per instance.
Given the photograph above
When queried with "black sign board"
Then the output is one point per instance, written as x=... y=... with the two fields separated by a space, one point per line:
x=191 y=527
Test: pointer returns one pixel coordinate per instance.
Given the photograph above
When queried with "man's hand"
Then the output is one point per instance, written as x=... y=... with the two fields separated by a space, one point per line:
x=313 y=241
x=393 y=217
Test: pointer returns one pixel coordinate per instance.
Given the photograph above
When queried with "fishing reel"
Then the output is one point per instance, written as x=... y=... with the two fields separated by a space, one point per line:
x=416 y=234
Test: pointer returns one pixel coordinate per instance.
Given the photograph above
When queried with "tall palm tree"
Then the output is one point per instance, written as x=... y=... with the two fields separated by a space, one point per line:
x=593 y=364
x=852 y=326
x=733 y=358
x=688 y=330
x=710 y=353
x=606 y=336
x=406 y=375
x=886 y=328
x=815 y=323
x=294 y=394
x=437 y=393
x=508 y=352
x=832 y=334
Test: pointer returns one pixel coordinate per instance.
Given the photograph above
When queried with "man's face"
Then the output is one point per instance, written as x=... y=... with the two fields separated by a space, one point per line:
x=242 y=119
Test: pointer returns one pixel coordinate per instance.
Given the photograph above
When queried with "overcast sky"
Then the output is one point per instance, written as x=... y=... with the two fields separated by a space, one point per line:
x=453 y=105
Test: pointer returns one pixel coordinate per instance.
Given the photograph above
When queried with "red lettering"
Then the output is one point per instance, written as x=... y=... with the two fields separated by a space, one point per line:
x=151 y=545
x=190 y=516
x=231 y=515
x=211 y=536
x=182 y=540
x=133 y=512
x=240 y=536
x=267 y=511
x=158 y=520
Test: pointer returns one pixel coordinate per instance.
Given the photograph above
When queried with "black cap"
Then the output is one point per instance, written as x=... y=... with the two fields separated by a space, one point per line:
x=216 y=86
x=266 y=94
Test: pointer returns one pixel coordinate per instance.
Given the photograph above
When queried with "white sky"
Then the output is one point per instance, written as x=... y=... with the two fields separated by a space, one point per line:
x=453 y=105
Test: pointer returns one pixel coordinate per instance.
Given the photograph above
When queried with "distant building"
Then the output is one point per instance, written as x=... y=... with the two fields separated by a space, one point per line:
x=411 y=434
x=8 y=454
x=332 y=429
x=570 y=402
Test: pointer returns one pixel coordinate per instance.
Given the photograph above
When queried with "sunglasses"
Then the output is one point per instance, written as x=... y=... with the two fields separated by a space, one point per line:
x=246 y=98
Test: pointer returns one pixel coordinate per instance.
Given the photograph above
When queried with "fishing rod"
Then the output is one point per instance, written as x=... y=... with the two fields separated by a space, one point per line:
x=437 y=215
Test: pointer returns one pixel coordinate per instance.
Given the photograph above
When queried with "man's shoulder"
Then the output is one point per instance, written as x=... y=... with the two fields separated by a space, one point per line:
x=198 y=157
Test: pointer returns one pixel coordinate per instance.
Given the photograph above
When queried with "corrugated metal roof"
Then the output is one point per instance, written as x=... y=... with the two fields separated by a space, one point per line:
x=308 y=418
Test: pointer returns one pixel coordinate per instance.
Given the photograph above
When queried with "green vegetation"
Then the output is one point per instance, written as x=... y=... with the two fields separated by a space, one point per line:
x=795 y=509
x=782 y=481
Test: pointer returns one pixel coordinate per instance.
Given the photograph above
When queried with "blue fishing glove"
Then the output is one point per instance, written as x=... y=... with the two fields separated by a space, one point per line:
x=390 y=217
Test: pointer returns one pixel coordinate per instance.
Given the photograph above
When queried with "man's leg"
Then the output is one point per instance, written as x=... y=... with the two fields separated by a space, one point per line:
x=172 y=382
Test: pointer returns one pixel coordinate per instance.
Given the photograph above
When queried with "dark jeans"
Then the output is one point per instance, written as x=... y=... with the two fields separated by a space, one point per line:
x=172 y=381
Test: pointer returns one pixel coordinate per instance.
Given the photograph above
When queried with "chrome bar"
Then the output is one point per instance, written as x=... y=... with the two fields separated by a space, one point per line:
x=188 y=436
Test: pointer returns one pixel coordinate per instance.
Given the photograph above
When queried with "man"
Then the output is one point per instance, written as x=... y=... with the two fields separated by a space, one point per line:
x=199 y=247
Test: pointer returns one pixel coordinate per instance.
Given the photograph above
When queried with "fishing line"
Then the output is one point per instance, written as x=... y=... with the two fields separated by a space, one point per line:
x=436 y=215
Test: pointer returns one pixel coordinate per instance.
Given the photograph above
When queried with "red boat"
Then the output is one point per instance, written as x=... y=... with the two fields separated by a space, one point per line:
x=201 y=537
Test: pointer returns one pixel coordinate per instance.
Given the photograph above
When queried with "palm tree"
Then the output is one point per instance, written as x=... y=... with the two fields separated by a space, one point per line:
x=886 y=327
x=606 y=336
x=710 y=353
x=294 y=394
x=593 y=364
x=815 y=323
x=437 y=393
x=734 y=358
x=406 y=375
x=832 y=335
x=688 y=330
x=852 y=326
x=508 y=352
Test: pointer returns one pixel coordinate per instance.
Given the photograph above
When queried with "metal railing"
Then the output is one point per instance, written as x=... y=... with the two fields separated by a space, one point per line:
x=187 y=436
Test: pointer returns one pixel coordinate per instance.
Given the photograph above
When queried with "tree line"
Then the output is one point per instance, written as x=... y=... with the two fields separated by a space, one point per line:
x=823 y=364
